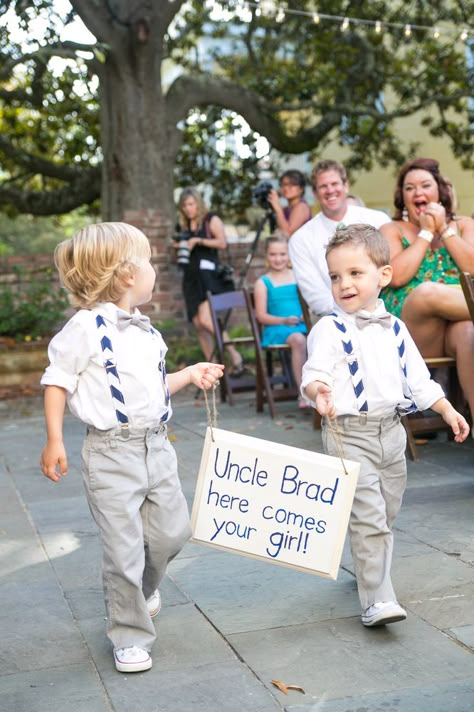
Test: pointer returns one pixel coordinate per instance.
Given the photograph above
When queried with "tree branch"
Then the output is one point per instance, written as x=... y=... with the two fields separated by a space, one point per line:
x=81 y=192
x=36 y=164
x=187 y=92
x=66 y=50
x=169 y=12
x=95 y=16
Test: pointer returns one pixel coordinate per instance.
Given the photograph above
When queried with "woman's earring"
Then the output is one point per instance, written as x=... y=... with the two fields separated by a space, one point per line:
x=404 y=214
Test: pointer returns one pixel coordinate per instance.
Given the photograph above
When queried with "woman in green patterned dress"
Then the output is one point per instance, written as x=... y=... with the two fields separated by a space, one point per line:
x=429 y=247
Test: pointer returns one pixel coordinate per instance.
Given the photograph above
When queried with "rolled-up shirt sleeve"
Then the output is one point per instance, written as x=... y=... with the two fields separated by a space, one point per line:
x=321 y=357
x=69 y=354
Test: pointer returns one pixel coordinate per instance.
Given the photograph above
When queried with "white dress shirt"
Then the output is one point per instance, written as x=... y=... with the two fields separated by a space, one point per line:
x=375 y=348
x=307 y=249
x=77 y=365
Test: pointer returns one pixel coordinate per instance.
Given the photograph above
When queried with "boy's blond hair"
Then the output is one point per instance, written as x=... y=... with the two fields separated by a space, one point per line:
x=366 y=236
x=94 y=264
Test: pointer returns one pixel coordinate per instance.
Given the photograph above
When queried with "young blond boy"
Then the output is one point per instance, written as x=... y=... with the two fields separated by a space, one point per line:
x=108 y=364
x=363 y=372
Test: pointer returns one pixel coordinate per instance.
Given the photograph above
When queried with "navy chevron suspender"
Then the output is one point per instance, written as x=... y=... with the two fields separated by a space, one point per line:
x=110 y=365
x=354 y=370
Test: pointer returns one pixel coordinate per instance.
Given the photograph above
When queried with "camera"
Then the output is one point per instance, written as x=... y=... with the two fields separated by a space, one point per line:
x=182 y=251
x=260 y=194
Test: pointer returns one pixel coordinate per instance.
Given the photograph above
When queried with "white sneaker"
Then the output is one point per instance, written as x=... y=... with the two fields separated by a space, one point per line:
x=154 y=603
x=383 y=613
x=132 y=659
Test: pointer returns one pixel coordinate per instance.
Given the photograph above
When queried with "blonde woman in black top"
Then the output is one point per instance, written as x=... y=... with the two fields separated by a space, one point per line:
x=203 y=234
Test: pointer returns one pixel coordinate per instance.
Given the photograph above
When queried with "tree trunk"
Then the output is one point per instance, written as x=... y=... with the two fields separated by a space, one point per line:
x=137 y=172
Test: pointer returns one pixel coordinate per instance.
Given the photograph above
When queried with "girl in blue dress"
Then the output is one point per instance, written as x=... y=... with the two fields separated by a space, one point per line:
x=278 y=308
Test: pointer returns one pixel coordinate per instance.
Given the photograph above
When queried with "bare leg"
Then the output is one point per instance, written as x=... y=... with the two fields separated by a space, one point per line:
x=428 y=310
x=206 y=328
x=437 y=318
x=206 y=341
x=460 y=345
x=297 y=341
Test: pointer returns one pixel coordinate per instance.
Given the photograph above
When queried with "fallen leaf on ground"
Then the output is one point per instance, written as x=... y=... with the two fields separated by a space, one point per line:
x=284 y=688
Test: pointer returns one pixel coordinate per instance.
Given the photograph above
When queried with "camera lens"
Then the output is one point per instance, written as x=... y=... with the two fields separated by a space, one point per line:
x=182 y=254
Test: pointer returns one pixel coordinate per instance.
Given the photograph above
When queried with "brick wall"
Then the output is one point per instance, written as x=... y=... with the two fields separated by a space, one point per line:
x=167 y=303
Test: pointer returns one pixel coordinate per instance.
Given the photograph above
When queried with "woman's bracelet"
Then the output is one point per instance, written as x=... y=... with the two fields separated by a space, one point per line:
x=426 y=235
x=447 y=233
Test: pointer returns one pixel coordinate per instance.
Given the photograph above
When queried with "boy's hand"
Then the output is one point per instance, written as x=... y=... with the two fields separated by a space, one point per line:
x=54 y=455
x=458 y=424
x=206 y=375
x=324 y=401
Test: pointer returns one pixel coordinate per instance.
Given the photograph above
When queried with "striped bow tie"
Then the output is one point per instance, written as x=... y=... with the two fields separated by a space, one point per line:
x=384 y=320
x=124 y=320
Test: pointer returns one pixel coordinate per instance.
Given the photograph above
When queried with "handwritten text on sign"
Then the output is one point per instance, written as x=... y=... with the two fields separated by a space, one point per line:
x=273 y=501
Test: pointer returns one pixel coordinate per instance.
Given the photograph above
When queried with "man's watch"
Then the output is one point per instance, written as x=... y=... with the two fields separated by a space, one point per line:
x=426 y=235
x=449 y=232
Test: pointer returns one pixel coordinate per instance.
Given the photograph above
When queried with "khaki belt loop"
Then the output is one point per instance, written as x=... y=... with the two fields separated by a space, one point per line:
x=363 y=418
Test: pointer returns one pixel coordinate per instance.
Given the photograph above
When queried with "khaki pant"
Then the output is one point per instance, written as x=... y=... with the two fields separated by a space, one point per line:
x=379 y=447
x=135 y=497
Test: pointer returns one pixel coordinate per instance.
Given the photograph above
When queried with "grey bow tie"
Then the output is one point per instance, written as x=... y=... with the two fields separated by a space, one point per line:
x=384 y=320
x=124 y=320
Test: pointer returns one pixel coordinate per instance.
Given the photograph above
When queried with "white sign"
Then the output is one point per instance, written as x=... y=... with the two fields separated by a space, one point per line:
x=273 y=502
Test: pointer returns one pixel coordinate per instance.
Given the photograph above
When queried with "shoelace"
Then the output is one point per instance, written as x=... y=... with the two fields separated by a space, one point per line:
x=133 y=651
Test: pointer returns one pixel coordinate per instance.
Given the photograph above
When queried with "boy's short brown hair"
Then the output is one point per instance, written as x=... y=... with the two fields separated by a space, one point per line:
x=94 y=264
x=375 y=244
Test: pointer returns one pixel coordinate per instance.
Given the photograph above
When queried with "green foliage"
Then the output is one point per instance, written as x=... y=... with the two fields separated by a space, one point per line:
x=33 y=308
x=182 y=351
x=200 y=162
x=29 y=234
x=306 y=87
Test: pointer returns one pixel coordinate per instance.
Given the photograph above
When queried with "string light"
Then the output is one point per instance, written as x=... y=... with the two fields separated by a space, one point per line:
x=268 y=7
x=274 y=8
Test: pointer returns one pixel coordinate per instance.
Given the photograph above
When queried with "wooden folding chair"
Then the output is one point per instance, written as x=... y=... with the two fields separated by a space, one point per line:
x=222 y=306
x=467 y=284
x=278 y=383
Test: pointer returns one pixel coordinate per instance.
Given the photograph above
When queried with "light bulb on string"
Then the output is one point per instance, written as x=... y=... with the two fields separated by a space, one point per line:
x=279 y=11
x=280 y=16
x=244 y=12
x=268 y=7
